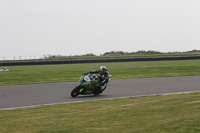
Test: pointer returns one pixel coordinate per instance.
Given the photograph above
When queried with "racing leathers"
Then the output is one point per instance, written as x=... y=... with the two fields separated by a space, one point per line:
x=103 y=76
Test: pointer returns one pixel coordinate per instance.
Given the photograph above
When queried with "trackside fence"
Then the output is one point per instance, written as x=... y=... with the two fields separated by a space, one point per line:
x=18 y=63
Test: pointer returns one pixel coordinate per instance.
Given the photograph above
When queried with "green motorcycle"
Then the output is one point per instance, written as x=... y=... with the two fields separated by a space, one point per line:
x=87 y=85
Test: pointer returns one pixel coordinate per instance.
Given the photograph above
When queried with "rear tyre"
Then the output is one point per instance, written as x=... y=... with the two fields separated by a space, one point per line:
x=104 y=87
x=100 y=89
x=96 y=93
x=75 y=91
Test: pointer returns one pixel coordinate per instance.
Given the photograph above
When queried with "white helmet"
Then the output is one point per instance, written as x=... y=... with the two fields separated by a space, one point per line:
x=102 y=69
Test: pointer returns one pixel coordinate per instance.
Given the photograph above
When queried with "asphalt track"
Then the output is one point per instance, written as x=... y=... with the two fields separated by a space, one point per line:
x=19 y=96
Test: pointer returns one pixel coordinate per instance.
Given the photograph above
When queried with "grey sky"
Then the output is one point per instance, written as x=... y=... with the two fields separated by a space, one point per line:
x=75 y=27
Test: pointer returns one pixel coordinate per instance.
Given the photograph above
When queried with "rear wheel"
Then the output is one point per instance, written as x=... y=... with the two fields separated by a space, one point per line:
x=100 y=90
x=104 y=87
x=75 y=91
x=96 y=93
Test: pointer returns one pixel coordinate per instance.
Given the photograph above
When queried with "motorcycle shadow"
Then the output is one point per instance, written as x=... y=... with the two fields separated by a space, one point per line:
x=87 y=96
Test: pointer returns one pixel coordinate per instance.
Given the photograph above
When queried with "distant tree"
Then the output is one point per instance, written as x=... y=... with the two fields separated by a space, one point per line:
x=194 y=50
x=90 y=54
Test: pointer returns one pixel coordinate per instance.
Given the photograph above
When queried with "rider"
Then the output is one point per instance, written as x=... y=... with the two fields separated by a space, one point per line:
x=103 y=76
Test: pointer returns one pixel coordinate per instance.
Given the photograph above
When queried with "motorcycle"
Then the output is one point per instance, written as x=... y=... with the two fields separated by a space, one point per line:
x=87 y=85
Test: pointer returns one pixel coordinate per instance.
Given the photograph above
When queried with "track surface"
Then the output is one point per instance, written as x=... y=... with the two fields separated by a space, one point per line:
x=50 y=93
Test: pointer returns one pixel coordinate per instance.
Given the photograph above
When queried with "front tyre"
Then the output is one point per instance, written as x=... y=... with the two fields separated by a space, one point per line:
x=75 y=91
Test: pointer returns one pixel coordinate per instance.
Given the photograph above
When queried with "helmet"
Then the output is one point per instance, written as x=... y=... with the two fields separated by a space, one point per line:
x=102 y=69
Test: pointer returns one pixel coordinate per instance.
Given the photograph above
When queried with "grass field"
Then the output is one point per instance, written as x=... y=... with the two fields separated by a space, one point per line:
x=72 y=72
x=167 y=114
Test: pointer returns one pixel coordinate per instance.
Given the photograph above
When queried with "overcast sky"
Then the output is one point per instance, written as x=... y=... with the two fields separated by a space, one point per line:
x=75 y=27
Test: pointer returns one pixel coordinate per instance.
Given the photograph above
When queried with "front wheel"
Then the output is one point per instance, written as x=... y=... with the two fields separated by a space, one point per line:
x=75 y=91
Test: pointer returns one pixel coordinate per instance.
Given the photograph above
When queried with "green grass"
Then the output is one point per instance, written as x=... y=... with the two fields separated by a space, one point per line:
x=168 y=113
x=72 y=72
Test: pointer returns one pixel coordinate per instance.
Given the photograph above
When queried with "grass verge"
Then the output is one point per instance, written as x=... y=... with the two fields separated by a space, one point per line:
x=72 y=72
x=166 y=113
